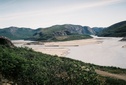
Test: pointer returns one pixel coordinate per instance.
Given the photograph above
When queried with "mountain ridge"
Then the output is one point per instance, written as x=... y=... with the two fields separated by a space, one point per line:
x=115 y=30
x=55 y=30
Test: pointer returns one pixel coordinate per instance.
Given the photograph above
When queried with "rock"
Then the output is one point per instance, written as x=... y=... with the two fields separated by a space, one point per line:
x=124 y=46
x=123 y=39
x=6 y=42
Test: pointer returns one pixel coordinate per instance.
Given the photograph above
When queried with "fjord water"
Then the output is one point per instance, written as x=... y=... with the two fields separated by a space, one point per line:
x=109 y=52
x=106 y=52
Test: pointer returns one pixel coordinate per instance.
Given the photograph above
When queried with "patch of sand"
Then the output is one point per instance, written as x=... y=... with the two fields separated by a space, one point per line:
x=101 y=51
x=72 y=43
x=61 y=48
x=107 y=74
x=53 y=51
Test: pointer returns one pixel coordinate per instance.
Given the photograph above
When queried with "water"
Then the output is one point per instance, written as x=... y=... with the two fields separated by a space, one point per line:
x=108 y=52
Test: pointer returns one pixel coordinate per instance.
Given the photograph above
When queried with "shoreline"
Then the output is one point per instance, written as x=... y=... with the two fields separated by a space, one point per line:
x=100 y=51
x=62 y=48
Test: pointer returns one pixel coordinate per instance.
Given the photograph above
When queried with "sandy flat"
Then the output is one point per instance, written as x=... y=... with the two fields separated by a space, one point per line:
x=61 y=48
x=100 y=51
x=72 y=43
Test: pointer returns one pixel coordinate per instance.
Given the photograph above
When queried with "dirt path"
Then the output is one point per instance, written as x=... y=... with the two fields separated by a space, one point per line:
x=107 y=74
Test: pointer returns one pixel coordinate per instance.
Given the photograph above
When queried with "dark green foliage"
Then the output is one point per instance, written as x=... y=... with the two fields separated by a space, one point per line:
x=112 y=81
x=62 y=33
x=72 y=37
x=116 y=30
x=16 y=33
x=26 y=67
x=115 y=70
x=51 y=37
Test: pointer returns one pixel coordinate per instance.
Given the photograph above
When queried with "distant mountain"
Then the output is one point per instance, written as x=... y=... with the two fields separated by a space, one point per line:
x=16 y=32
x=56 y=32
x=65 y=32
x=116 y=30
x=97 y=29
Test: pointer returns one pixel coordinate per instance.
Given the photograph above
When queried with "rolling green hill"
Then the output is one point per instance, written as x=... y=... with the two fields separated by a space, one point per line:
x=116 y=30
x=16 y=33
x=63 y=32
x=53 y=33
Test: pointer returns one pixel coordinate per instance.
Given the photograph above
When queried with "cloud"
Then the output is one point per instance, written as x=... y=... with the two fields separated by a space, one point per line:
x=49 y=13
x=61 y=9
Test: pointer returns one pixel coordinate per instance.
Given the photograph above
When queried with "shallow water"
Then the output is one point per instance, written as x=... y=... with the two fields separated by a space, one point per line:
x=108 y=52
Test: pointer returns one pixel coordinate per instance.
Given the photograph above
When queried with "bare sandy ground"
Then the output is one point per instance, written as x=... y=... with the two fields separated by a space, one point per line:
x=59 y=51
x=56 y=48
x=100 y=51
x=72 y=43
x=60 y=48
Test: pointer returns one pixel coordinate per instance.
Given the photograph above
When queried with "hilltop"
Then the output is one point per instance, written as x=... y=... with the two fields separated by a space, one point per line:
x=53 y=33
x=16 y=33
x=115 y=30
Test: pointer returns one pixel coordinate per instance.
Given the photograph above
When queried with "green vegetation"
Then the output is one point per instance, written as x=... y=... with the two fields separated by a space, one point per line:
x=71 y=37
x=116 y=30
x=50 y=37
x=112 y=81
x=23 y=66
x=52 y=29
x=71 y=32
x=61 y=33
x=26 y=67
x=15 y=33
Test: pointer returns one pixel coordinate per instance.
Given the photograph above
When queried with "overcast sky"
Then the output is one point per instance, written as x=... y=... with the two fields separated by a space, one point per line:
x=45 y=13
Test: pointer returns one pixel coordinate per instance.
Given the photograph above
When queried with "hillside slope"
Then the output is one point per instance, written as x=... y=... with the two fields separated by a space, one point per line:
x=56 y=32
x=16 y=33
x=116 y=30
x=23 y=66
x=64 y=32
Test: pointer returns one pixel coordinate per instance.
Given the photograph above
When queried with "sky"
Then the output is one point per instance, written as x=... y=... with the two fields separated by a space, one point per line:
x=45 y=13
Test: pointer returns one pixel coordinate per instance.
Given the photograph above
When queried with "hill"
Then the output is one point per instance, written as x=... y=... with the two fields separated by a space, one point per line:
x=16 y=32
x=53 y=33
x=65 y=32
x=116 y=30
x=23 y=66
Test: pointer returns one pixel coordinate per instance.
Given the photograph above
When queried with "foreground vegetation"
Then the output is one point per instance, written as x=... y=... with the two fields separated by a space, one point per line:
x=23 y=66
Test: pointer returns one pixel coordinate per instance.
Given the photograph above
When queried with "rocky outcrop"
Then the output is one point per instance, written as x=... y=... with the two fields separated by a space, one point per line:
x=124 y=39
x=6 y=42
